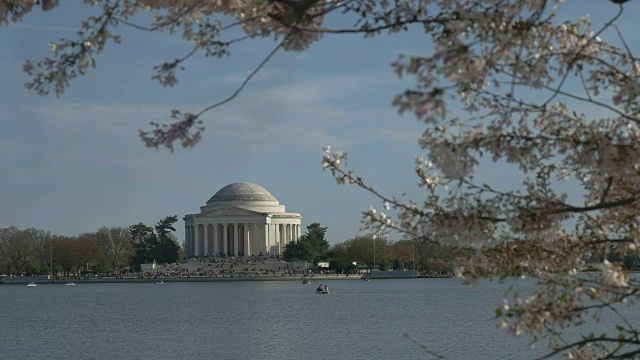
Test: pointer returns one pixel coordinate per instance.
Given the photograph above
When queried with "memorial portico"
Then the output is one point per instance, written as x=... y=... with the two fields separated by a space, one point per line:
x=241 y=219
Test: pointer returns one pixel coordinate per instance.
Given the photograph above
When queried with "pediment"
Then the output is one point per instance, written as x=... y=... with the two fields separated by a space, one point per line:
x=228 y=211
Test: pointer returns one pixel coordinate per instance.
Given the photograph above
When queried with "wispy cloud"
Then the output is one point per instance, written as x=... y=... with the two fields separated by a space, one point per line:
x=304 y=114
x=319 y=89
x=47 y=28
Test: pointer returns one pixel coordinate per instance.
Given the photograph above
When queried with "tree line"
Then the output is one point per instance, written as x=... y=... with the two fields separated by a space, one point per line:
x=108 y=250
x=425 y=252
x=422 y=252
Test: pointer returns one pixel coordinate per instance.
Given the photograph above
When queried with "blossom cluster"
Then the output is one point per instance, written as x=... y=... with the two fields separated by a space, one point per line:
x=507 y=83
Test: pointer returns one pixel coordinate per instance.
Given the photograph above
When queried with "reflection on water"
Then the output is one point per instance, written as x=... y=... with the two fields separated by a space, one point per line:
x=257 y=320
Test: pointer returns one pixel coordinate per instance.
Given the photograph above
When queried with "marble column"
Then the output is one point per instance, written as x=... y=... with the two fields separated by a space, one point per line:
x=206 y=239
x=245 y=239
x=254 y=240
x=191 y=248
x=191 y=242
x=215 y=249
x=265 y=241
x=196 y=251
x=284 y=233
x=201 y=239
x=235 y=239
x=225 y=250
x=276 y=235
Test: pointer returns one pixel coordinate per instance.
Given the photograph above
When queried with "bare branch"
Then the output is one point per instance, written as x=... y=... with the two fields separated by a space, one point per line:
x=182 y=129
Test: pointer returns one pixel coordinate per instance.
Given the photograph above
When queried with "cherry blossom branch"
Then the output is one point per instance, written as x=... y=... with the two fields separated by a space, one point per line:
x=244 y=83
x=559 y=91
x=347 y=177
x=590 y=341
x=165 y=73
x=606 y=189
x=372 y=30
x=75 y=63
x=569 y=66
x=165 y=135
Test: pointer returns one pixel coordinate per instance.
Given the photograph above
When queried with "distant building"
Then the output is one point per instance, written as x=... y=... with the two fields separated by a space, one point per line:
x=241 y=219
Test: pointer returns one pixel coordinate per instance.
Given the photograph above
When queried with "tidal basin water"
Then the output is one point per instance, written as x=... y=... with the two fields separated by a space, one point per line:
x=388 y=319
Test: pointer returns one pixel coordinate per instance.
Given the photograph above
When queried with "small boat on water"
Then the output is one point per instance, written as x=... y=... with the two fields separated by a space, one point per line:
x=365 y=278
x=322 y=292
x=161 y=282
x=306 y=281
x=32 y=284
x=70 y=284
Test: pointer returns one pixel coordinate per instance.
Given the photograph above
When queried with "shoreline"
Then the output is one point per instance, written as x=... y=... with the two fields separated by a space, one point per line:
x=27 y=280
x=153 y=278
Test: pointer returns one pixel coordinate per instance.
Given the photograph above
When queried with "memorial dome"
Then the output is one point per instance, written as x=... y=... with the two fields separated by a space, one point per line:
x=242 y=191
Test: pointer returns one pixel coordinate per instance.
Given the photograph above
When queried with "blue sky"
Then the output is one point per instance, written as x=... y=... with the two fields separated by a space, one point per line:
x=75 y=164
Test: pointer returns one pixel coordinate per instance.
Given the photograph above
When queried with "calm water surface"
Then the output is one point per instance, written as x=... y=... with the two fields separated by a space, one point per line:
x=256 y=320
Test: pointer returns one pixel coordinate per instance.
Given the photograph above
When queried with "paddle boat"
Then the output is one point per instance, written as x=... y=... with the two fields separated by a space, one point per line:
x=161 y=282
x=71 y=283
x=306 y=281
x=32 y=284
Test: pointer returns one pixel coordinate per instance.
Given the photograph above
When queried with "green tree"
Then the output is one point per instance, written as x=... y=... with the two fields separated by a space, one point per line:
x=144 y=243
x=315 y=242
x=401 y=254
x=19 y=248
x=155 y=244
x=296 y=251
x=312 y=246
x=339 y=264
x=372 y=250
x=167 y=249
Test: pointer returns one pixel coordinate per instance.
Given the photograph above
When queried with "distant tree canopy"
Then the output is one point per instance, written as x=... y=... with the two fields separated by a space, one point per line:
x=20 y=248
x=159 y=245
x=430 y=254
x=311 y=246
x=116 y=247
x=421 y=252
x=108 y=250
x=361 y=249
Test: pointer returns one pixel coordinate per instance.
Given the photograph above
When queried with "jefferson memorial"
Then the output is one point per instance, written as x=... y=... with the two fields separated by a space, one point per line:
x=241 y=219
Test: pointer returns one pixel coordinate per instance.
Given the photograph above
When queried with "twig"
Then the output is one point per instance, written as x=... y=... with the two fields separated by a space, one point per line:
x=247 y=79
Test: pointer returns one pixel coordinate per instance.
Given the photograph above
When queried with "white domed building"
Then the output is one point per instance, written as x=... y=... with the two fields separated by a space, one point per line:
x=241 y=219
